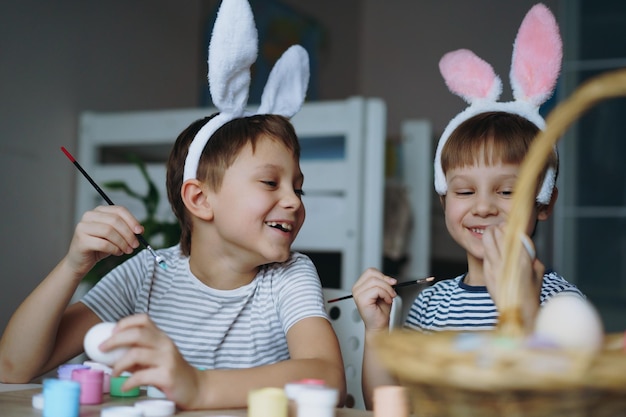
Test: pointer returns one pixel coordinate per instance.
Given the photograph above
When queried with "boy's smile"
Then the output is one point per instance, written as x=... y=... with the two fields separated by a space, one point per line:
x=285 y=227
x=478 y=197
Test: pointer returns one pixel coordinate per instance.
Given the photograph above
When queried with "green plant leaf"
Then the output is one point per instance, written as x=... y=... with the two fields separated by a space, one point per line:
x=122 y=186
x=151 y=199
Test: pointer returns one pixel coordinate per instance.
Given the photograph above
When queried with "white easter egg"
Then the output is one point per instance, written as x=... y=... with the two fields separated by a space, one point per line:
x=570 y=322
x=94 y=337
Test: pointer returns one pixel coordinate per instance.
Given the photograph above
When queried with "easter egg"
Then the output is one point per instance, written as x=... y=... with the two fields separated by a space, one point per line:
x=570 y=322
x=94 y=337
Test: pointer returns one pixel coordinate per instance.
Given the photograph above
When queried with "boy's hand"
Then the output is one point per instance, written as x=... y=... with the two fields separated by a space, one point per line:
x=532 y=271
x=373 y=295
x=153 y=359
x=104 y=231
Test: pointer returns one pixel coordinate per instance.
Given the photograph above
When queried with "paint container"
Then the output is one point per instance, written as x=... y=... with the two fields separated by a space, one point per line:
x=154 y=392
x=106 y=382
x=116 y=387
x=37 y=401
x=391 y=401
x=65 y=371
x=292 y=389
x=121 y=411
x=317 y=401
x=156 y=408
x=61 y=398
x=267 y=402
x=90 y=381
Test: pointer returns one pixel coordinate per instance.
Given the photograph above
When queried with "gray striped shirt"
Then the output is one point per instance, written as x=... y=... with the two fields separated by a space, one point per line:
x=453 y=305
x=213 y=329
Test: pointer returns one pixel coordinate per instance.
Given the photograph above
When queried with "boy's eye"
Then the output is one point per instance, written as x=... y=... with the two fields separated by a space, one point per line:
x=464 y=192
x=299 y=192
x=270 y=183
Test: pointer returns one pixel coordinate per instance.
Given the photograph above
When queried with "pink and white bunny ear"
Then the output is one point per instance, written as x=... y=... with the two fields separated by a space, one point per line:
x=535 y=67
x=474 y=80
x=537 y=56
x=286 y=85
x=469 y=77
x=232 y=51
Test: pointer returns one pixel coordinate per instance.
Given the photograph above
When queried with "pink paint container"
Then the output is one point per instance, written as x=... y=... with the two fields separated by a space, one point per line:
x=106 y=383
x=91 y=381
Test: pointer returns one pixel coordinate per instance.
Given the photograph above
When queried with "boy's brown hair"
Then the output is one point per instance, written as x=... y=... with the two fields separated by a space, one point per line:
x=218 y=155
x=491 y=138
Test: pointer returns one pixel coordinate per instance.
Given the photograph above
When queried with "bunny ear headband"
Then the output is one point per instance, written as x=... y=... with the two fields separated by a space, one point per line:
x=232 y=51
x=535 y=67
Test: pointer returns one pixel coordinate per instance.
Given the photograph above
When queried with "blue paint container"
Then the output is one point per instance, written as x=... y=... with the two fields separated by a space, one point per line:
x=61 y=398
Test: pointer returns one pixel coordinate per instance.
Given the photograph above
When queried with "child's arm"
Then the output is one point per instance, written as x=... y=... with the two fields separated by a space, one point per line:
x=373 y=296
x=44 y=332
x=154 y=360
x=373 y=373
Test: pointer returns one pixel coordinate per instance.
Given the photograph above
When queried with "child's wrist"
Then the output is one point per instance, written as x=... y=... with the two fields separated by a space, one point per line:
x=374 y=332
x=67 y=269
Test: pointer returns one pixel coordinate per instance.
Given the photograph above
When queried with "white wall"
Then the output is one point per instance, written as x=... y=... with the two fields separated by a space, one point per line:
x=56 y=60
x=60 y=58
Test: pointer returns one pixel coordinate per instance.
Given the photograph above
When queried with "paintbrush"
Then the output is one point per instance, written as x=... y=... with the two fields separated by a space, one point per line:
x=400 y=285
x=158 y=258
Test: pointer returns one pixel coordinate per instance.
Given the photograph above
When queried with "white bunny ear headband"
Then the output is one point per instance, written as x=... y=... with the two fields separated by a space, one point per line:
x=232 y=51
x=535 y=67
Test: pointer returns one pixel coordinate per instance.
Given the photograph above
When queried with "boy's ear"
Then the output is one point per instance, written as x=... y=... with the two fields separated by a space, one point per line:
x=545 y=210
x=195 y=198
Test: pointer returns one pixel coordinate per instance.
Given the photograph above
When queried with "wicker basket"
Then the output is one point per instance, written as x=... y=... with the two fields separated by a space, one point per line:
x=504 y=376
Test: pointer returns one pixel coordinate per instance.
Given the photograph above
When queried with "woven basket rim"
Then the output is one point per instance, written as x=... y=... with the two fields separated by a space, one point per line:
x=434 y=359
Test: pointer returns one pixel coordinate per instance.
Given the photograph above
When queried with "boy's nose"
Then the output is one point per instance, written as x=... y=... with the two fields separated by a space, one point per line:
x=485 y=205
x=291 y=200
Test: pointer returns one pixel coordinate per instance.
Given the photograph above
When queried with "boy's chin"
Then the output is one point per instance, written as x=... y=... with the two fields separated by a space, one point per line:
x=478 y=254
x=279 y=257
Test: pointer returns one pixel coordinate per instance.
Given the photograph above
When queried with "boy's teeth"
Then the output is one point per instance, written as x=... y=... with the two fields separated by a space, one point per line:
x=479 y=231
x=283 y=226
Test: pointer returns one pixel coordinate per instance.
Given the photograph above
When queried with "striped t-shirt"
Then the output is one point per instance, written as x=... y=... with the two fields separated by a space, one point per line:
x=453 y=305
x=213 y=329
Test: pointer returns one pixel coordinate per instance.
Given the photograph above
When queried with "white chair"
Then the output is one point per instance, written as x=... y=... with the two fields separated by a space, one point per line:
x=350 y=331
x=397 y=316
x=403 y=302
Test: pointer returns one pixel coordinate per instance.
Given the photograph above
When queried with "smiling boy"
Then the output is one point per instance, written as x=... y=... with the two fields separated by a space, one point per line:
x=235 y=309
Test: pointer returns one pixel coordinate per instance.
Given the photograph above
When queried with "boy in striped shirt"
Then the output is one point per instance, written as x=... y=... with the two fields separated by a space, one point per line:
x=477 y=163
x=235 y=309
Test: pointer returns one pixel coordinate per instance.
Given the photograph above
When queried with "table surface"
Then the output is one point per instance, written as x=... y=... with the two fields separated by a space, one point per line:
x=19 y=404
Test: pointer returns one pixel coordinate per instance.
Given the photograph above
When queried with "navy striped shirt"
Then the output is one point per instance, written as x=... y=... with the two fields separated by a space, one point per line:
x=214 y=329
x=453 y=305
